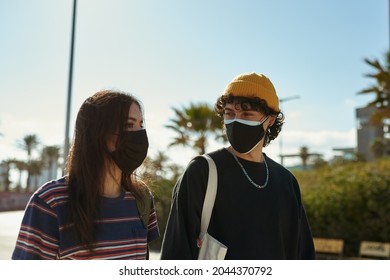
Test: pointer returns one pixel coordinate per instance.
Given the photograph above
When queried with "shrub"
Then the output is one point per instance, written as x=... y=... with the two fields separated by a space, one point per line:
x=350 y=202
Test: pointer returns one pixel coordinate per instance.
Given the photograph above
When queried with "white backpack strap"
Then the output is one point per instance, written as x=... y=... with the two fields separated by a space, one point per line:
x=209 y=198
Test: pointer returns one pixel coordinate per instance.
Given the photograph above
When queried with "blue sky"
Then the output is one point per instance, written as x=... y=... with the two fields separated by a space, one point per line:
x=170 y=53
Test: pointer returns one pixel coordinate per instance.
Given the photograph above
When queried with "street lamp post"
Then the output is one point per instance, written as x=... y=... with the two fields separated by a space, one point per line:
x=69 y=97
x=281 y=101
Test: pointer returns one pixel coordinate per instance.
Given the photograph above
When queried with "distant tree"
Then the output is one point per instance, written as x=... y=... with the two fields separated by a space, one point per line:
x=319 y=163
x=304 y=155
x=380 y=87
x=161 y=176
x=152 y=169
x=50 y=156
x=20 y=166
x=6 y=166
x=194 y=125
x=359 y=157
x=159 y=168
x=378 y=147
x=29 y=143
x=35 y=169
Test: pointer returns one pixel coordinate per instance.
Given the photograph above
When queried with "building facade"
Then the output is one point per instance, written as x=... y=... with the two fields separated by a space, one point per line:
x=367 y=133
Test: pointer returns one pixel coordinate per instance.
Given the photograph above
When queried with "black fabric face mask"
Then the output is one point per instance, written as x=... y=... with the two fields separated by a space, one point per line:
x=131 y=150
x=244 y=135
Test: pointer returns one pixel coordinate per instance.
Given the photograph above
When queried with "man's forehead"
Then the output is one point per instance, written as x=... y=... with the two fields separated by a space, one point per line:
x=239 y=106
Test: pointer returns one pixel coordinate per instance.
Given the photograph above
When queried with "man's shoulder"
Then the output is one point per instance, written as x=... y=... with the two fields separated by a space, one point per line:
x=220 y=155
x=277 y=167
x=200 y=163
x=222 y=152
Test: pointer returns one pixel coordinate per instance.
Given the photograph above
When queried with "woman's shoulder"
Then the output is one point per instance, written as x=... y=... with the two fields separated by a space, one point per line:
x=53 y=191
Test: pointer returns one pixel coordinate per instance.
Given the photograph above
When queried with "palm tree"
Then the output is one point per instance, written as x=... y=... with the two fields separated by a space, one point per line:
x=381 y=88
x=151 y=169
x=50 y=156
x=157 y=168
x=29 y=143
x=20 y=166
x=304 y=155
x=5 y=167
x=194 y=125
x=161 y=177
x=35 y=168
x=160 y=163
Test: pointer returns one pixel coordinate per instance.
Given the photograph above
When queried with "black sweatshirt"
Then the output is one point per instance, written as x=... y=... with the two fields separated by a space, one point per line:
x=268 y=223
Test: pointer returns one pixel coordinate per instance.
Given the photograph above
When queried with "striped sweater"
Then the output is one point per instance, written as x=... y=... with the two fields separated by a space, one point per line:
x=121 y=233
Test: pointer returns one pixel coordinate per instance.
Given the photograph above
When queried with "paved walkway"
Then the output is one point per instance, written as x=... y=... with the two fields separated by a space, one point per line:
x=9 y=228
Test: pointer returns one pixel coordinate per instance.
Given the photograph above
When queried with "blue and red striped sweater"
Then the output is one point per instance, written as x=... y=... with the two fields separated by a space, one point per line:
x=121 y=233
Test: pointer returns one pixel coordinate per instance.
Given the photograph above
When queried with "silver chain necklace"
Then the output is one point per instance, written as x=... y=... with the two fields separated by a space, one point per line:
x=247 y=176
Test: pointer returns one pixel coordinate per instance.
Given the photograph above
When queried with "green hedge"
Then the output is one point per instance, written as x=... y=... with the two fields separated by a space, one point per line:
x=349 y=202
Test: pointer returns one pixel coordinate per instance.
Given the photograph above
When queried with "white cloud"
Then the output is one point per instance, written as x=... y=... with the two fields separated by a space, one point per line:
x=321 y=138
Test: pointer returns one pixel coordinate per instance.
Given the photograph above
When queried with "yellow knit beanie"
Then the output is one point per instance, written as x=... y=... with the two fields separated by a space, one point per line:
x=254 y=85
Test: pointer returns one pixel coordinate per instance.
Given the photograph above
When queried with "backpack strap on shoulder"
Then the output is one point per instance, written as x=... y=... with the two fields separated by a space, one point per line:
x=211 y=193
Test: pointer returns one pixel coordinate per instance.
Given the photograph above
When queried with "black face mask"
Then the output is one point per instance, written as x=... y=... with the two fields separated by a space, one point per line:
x=244 y=135
x=131 y=150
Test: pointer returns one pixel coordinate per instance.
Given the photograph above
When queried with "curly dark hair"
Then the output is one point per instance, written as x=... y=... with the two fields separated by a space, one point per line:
x=252 y=103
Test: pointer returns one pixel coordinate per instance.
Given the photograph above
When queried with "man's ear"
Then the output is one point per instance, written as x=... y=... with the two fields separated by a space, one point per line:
x=272 y=120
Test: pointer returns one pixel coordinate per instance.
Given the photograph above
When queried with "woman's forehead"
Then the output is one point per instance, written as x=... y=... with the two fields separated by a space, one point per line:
x=135 y=110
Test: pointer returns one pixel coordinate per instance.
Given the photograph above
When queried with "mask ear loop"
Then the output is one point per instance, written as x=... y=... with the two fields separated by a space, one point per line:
x=266 y=118
x=246 y=122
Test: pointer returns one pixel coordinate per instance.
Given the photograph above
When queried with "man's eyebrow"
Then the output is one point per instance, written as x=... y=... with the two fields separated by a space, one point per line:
x=242 y=110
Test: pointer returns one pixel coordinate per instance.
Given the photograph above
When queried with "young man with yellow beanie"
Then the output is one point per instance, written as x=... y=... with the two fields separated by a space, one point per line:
x=258 y=213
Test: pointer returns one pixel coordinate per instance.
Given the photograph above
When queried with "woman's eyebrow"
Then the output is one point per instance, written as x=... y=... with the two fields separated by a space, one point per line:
x=131 y=119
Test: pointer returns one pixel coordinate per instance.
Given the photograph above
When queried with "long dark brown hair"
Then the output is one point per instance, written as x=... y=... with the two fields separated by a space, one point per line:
x=253 y=103
x=100 y=116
